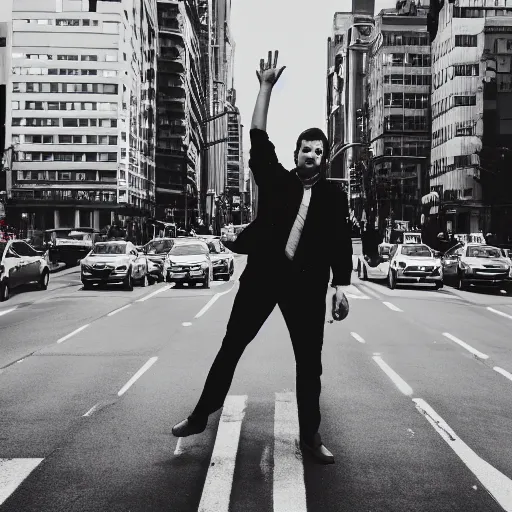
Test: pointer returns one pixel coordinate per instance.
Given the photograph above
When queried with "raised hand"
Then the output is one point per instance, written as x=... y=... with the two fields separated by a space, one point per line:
x=269 y=73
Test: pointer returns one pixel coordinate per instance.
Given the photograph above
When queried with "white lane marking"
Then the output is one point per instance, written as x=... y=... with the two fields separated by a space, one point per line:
x=186 y=324
x=92 y=410
x=150 y=362
x=212 y=301
x=463 y=344
x=397 y=380
x=357 y=337
x=496 y=483
x=160 y=290
x=503 y=372
x=354 y=296
x=76 y=331
x=219 y=479
x=368 y=290
x=178 y=450
x=289 y=489
x=499 y=312
x=2 y=313
x=112 y=313
x=13 y=472
x=392 y=306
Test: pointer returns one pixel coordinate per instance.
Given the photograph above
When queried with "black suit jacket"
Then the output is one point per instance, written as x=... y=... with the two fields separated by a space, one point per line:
x=325 y=242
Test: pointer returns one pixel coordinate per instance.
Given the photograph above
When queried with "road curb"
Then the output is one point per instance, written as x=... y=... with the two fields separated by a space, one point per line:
x=63 y=271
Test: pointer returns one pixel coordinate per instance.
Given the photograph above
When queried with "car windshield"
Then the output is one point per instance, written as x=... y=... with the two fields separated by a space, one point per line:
x=159 y=247
x=188 y=249
x=483 y=251
x=214 y=247
x=109 y=249
x=416 y=250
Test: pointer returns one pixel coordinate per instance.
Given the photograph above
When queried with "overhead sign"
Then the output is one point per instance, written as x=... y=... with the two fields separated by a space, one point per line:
x=497 y=30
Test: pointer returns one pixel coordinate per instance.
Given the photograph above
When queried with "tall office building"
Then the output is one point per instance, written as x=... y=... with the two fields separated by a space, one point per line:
x=182 y=109
x=398 y=111
x=471 y=158
x=81 y=113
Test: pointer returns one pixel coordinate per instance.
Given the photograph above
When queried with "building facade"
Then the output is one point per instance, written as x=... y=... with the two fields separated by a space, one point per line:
x=81 y=114
x=398 y=111
x=470 y=175
x=182 y=108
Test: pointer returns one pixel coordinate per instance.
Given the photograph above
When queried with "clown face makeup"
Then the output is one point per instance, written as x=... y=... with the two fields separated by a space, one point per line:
x=309 y=157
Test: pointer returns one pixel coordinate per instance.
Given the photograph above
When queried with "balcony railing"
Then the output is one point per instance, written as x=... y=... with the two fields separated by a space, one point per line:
x=65 y=196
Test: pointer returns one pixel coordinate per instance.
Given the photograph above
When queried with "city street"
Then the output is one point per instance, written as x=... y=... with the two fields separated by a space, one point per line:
x=417 y=387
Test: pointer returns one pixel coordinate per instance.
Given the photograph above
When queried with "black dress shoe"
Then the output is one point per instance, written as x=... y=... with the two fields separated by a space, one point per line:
x=190 y=426
x=317 y=450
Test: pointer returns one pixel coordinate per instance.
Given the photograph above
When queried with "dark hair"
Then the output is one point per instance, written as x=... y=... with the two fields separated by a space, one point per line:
x=313 y=134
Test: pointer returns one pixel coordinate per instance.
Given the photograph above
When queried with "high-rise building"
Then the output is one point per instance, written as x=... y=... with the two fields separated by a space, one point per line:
x=5 y=154
x=470 y=178
x=398 y=113
x=81 y=113
x=182 y=108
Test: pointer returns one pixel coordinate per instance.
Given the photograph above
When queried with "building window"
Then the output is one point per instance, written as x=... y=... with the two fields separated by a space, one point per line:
x=466 y=40
x=89 y=58
x=466 y=70
x=15 y=105
x=67 y=57
x=395 y=99
x=92 y=139
x=70 y=123
x=67 y=23
x=464 y=128
x=464 y=101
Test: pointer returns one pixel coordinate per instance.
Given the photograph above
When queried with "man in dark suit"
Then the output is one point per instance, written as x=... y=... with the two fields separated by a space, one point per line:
x=303 y=218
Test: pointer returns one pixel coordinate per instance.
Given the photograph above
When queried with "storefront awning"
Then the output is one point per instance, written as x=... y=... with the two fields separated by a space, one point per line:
x=433 y=197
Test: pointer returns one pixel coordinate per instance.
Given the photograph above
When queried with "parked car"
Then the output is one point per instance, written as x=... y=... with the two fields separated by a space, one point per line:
x=414 y=263
x=114 y=262
x=375 y=266
x=189 y=262
x=476 y=264
x=69 y=245
x=21 y=264
x=222 y=258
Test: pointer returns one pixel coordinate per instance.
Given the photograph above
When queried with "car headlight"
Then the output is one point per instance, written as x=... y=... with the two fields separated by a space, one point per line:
x=122 y=268
x=204 y=264
x=220 y=262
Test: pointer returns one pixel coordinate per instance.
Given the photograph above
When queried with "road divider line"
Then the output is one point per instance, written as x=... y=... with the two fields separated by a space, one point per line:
x=2 y=313
x=392 y=306
x=12 y=474
x=463 y=344
x=395 y=378
x=357 y=337
x=497 y=484
x=212 y=301
x=186 y=324
x=289 y=493
x=112 y=313
x=503 y=372
x=92 y=410
x=76 y=331
x=219 y=478
x=160 y=290
x=178 y=450
x=501 y=313
x=151 y=361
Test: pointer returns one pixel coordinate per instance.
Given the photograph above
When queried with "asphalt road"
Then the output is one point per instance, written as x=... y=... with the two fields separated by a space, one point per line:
x=417 y=388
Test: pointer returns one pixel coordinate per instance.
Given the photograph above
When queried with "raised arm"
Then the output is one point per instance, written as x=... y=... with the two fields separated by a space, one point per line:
x=268 y=75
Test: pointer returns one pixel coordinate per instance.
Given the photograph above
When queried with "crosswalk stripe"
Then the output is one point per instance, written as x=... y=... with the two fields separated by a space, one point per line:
x=13 y=472
x=289 y=490
x=219 y=479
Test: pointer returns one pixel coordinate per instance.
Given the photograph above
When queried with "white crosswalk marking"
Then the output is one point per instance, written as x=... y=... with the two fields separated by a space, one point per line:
x=13 y=472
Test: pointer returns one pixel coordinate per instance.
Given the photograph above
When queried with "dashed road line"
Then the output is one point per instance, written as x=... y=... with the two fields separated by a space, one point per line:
x=392 y=306
x=463 y=344
x=5 y=311
x=503 y=372
x=497 y=484
x=92 y=410
x=501 y=313
x=212 y=301
x=186 y=324
x=146 y=367
x=357 y=337
x=112 y=313
x=219 y=478
x=289 y=492
x=76 y=331
x=12 y=474
x=369 y=291
x=395 y=378
x=160 y=290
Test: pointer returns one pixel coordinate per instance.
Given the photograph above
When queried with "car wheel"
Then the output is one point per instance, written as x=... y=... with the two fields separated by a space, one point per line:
x=5 y=291
x=206 y=283
x=128 y=281
x=365 y=274
x=391 y=280
x=461 y=285
x=439 y=285
x=86 y=285
x=44 y=280
x=144 y=281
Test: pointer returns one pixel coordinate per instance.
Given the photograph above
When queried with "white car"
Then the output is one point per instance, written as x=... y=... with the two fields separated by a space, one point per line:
x=20 y=264
x=114 y=262
x=377 y=267
x=223 y=260
x=189 y=262
x=414 y=263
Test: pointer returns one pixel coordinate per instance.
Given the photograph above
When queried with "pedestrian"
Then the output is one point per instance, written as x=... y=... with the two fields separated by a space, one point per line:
x=303 y=220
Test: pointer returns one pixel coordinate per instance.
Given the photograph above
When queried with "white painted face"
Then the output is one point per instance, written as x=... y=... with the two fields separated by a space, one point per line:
x=310 y=154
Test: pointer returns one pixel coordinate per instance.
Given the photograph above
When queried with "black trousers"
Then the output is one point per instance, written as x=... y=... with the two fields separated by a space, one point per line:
x=301 y=297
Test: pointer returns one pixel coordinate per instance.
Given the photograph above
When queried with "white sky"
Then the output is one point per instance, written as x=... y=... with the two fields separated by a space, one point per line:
x=299 y=30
